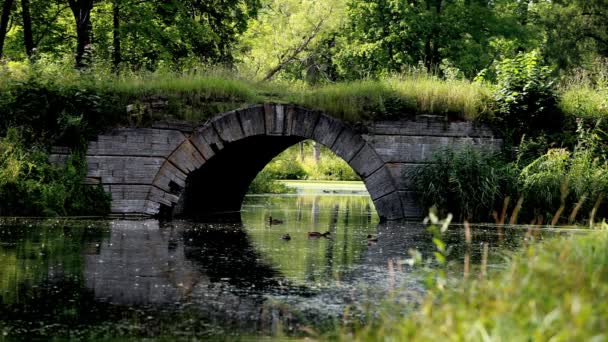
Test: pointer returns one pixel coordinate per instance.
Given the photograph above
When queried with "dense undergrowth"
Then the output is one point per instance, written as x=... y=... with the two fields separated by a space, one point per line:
x=548 y=291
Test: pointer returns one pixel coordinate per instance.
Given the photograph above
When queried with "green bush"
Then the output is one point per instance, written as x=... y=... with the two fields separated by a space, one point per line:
x=265 y=183
x=31 y=186
x=525 y=97
x=466 y=182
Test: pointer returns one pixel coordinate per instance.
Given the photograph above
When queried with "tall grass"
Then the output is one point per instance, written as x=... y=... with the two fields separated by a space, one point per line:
x=396 y=97
x=549 y=291
x=584 y=92
x=399 y=96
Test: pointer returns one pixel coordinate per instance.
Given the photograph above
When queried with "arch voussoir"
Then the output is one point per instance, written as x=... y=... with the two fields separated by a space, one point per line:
x=348 y=144
x=252 y=120
x=228 y=126
x=327 y=130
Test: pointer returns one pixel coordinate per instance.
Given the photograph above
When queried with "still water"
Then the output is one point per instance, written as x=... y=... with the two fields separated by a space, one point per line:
x=136 y=279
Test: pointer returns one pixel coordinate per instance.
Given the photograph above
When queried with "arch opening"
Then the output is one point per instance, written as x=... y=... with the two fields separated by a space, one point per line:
x=233 y=148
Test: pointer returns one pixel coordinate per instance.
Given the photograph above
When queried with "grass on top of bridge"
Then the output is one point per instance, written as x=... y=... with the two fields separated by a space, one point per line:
x=197 y=95
x=552 y=290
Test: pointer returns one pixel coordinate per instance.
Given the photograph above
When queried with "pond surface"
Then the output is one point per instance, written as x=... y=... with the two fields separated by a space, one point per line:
x=135 y=279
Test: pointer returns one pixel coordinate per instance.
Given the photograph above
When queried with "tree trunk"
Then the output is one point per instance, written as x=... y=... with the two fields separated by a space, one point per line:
x=28 y=38
x=117 y=53
x=6 y=13
x=317 y=152
x=82 y=15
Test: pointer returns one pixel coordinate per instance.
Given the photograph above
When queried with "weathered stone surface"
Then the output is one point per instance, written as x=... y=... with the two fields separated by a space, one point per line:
x=411 y=206
x=327 y=130
x=253 y=121
x=169 y=178
x=278 y=118
x=348 y=144
x=127 y=206
x=130 y=191
x=136 y=142
x=120 y=170
x=389 y=207
x=366 y=161
x=430 y=128
x=380 y=183
x=402 y=174
x=207 y=141
x=228 y=127
x=303 y=122
x=417 y=149
x=186 y=157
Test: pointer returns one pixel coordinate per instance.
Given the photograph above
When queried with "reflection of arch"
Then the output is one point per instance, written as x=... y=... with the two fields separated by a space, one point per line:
x=210 y=171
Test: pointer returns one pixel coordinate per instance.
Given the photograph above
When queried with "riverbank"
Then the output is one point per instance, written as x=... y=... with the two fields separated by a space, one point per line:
x=548 y=291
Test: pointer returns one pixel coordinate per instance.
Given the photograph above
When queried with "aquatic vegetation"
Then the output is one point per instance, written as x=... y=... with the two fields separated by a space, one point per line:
x=547 y=291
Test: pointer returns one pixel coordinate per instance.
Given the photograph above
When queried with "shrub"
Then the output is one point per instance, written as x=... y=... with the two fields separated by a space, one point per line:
x=31 y=186
x=265 y=183
x=525 y=97
x=465 y=181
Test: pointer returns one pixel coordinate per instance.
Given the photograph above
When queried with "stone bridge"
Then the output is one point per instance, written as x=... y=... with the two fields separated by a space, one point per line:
x=192 y=170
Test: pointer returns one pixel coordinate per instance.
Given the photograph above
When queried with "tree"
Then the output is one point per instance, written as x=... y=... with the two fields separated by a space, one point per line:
x=117 y=51
x=288 y=35
x=28 y=39
x=4 y=19
x=81 y=9
x=575 y=30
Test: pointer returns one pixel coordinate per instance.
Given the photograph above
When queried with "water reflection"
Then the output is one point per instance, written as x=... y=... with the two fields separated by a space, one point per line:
x=182 y=279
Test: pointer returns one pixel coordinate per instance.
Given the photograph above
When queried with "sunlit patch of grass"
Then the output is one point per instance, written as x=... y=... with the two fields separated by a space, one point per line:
x=585 y=102
x=549 y=291
x=397 y=97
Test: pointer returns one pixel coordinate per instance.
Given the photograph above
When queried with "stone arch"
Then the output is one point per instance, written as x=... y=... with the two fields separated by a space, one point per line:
x=203 y=165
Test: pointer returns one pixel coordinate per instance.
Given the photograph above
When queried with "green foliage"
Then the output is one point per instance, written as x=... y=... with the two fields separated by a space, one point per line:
x=30 y=185
x=560 y=177
x=548 y=291
x=265 y=183
x=293 y=165
x=525 y=96
x=466 y=182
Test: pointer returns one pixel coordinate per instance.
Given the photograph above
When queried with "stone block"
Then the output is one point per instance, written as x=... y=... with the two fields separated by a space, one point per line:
x=207 y=141
x=228 y=127
x=327 y=130
x=366 y=161
x=402 y=174
x=303 y=122
x=389 y=207
x=411 y=206
x=278 y=119
x=187 y=158
x=127 y=206
x=253 y=121
x=167 y=175
x=348 y=144
x=380 y=183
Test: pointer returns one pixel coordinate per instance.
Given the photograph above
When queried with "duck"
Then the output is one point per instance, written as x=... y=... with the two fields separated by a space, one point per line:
x=272 y=221
x=318 y=234
x=286 y=237
x=372 y=238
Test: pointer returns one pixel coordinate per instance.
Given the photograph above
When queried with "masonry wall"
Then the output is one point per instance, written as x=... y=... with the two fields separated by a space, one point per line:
x=145 y=169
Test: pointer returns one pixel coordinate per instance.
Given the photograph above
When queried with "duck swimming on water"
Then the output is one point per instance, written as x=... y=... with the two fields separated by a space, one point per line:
x=318 y=234
x=272 y=221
